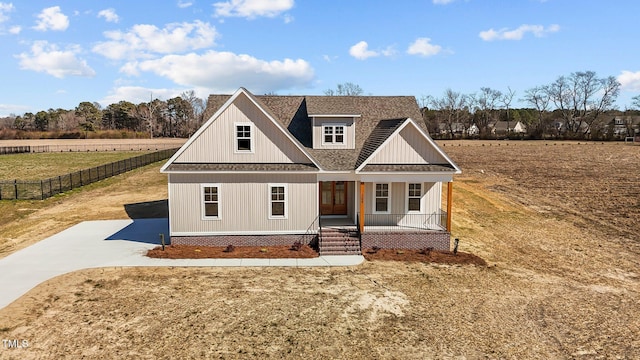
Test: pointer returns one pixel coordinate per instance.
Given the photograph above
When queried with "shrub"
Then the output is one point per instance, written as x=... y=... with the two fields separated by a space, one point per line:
x=229 y=248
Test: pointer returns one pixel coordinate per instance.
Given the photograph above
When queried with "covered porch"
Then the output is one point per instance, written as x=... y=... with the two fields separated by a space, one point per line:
x=394 y=214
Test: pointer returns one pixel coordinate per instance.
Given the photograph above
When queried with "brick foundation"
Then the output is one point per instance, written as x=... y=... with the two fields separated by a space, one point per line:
x=239 y=240
x=438 y=240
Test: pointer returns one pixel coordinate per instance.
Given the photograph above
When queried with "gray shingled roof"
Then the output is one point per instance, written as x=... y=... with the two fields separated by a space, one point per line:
x=407 y=168
x=240 y=167
x=379 y=117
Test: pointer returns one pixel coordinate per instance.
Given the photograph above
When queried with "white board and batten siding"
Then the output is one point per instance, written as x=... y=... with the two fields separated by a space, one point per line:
x=430 y=201
x=349 y=124
x=244 y=204
x=408 y=147
x=216 y=144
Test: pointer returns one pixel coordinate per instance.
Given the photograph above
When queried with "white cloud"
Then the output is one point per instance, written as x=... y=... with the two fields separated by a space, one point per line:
x=226 y=71
x=629 y=80
x=52 y=19
x=518 y=34
x=47 y=58
x=15 y=30
x=8 y=109
x=143 y=40
x=442 y=2
x=252 y=8
x=423 y=47
x=138 y=94
x=184 y=4
x=4 y=9
x=361 y=51
x=109 y=15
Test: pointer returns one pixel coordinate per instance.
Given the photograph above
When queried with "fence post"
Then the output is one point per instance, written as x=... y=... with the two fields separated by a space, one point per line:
x=50 y=187
x=15 y=186
x=41 y=189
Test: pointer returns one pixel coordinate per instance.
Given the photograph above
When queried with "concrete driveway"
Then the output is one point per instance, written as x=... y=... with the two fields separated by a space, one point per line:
x=93 y=244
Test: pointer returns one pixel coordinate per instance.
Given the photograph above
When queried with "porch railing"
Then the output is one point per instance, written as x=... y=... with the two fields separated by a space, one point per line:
x=312 y=235
x=405 y=222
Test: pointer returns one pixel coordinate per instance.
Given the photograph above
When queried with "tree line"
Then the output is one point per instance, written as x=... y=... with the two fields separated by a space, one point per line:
x=580 y=105
x=180 y=116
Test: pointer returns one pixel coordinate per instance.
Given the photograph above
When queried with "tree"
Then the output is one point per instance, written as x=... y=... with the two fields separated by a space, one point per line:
x=636 y=102
x=487 y=102
x=506 y=101
x=90 y=115
x=453 y=108
x=346 y=89
x=539 y=98
x=41 y=121
x=582 y=97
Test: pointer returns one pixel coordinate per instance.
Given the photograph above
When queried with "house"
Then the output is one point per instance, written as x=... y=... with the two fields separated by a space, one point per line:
x=508 y=127
x=339 y=172
x=621 y=127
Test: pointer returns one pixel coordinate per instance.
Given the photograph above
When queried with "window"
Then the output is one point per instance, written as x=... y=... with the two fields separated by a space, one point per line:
x=277 y=201
x=382 y=196
x=413 y=197
x=244 y=138
x=211 y=201
x=333 y=134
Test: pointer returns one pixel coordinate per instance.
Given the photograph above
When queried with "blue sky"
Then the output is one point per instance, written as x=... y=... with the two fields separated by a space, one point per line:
x=56 y=54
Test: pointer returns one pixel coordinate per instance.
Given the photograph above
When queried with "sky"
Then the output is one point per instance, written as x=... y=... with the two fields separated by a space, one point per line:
x=56 y=54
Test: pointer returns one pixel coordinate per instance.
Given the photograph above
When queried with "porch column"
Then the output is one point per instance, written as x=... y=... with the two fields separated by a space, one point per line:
x=449 y=200
x=361 y=207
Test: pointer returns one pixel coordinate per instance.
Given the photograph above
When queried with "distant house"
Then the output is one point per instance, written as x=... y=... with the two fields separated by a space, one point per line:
x=508 y=127
x=343 y=172
x=456 y=129
x=473 y=130
x=621 y=127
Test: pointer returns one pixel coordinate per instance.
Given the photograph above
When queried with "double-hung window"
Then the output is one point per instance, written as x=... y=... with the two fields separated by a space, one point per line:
x=244 y=137
x=211 y=201
x=333 y=134
x=414 y=195
x=277 y=201
x=382 y=203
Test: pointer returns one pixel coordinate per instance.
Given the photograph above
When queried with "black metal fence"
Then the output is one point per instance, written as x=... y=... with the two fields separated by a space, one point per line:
x=142 y=146
x=45 y=188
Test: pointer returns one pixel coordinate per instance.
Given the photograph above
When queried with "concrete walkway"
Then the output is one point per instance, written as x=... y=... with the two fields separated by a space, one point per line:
x=94 y=244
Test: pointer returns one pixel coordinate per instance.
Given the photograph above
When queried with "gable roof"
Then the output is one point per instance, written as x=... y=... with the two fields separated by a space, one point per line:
x=447 y=166
x=377 y=118
x=170 y=166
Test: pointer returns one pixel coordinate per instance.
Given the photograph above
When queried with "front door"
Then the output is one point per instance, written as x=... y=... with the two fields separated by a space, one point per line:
x=333 y=198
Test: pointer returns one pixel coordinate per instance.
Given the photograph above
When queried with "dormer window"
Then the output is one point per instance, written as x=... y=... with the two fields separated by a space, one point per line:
x=244 y=137
x=333 y=134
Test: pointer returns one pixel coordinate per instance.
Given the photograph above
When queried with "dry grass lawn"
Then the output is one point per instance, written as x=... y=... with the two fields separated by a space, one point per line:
x=557 y=225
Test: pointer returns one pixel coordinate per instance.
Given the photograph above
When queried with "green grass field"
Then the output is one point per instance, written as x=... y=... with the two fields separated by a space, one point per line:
x=44 y=165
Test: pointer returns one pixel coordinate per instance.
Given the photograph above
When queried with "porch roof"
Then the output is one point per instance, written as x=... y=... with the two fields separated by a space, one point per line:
x=408 y=168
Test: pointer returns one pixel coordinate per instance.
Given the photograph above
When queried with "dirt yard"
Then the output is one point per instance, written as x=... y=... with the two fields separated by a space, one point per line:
x=556 y=224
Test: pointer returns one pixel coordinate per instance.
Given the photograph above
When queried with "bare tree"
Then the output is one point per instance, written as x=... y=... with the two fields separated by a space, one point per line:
x=582 y=97
x=487 y=102
x=636 y=102
x=345 y=89
x=453 y=108
x=539 y=98
x=506 y=101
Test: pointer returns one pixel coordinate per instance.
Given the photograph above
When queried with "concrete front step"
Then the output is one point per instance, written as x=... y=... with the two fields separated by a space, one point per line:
x=339 y=242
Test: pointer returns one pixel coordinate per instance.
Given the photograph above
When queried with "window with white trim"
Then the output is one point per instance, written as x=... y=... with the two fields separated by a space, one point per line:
x=333 y=134
x=414 y=196
x=244 y=137
x=277 y=201
x=211 y=201
x=382 y=203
